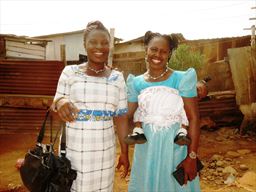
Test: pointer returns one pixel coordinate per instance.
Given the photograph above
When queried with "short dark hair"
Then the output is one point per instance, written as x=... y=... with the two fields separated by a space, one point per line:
x=171 y=39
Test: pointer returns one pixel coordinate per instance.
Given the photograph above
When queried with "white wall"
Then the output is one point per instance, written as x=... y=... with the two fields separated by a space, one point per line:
x=73 y=42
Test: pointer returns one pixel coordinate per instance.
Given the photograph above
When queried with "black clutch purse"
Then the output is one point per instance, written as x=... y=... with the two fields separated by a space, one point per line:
x=179 y=174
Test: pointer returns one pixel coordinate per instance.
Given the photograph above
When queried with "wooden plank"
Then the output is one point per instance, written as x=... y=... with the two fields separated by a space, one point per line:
x=41 y=42
x=12 y=54
x=25 y=46
x=239 y=63
x=26 y=51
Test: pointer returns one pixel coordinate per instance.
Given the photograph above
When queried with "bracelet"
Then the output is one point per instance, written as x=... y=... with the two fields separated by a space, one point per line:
x=55 y=103
x=192 y=155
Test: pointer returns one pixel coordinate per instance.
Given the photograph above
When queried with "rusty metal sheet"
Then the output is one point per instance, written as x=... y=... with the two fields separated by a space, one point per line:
x=29 y=77
x=26 y=120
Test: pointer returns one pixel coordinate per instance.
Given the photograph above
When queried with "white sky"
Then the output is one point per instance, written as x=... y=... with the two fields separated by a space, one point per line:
x=131 y=19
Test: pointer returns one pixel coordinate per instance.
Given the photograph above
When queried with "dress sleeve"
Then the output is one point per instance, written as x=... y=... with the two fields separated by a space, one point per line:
x=187 y=85
x=63 y=88
x=122 y=102
x=132 y=93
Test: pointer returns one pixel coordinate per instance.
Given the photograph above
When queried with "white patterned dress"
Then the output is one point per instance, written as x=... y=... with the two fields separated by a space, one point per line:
x=90 y=139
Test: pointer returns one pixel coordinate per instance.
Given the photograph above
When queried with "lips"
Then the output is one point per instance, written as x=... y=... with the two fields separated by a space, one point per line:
x=98 y=54
x=156 y=61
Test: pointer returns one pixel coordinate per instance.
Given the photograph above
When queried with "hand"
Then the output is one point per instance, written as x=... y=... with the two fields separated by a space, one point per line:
x=202 y=90
x=123 y=161
x=67 y=110
x=190 y=169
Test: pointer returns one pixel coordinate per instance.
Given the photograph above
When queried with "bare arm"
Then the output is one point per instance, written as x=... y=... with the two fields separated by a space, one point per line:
x=131 y=109
x=121 y=123
x=191 y=108
x=189 y=164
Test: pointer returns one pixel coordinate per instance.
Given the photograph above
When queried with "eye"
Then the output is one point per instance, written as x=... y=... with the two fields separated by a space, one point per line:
x=105 y=43
x=153 y=49
x=93 y=42
x=164 y=52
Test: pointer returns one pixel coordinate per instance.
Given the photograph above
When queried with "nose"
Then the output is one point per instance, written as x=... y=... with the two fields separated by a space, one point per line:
x=98 y=45
x=158 y=53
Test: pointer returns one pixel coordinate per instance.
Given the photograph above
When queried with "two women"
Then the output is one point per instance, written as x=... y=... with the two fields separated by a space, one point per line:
x=91 y=95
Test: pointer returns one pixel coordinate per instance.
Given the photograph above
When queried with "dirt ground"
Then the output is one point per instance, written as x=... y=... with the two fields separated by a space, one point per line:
x=229 y=160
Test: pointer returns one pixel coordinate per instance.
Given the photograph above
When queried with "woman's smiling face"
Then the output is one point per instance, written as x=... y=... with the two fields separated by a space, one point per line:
x=158 y=52
x=97 y=45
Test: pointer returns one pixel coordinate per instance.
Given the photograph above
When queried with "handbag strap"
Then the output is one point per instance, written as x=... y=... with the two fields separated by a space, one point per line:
x=63 y=140
x=63 y=134
x=42 y=130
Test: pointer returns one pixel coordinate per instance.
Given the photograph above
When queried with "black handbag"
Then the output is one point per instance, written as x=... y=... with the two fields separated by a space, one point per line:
x=44 y=171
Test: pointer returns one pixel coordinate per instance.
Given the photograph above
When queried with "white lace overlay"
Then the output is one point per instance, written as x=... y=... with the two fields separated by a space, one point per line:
x=160 y=106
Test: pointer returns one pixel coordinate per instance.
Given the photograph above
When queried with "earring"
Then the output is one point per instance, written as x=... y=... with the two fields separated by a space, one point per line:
x=146 y=61
x=146 y=58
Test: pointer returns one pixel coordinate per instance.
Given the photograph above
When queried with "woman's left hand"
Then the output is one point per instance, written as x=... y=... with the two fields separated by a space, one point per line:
x=190 y=169
x=123 y=161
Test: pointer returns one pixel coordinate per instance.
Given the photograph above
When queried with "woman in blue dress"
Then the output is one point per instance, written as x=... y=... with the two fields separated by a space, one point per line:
x=160 y=95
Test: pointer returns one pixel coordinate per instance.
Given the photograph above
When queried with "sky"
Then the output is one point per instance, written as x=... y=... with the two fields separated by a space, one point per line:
x=203 y=19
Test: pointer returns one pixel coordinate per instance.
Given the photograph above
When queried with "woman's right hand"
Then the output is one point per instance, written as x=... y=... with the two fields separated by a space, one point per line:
x=190 y=169
x=67 y=110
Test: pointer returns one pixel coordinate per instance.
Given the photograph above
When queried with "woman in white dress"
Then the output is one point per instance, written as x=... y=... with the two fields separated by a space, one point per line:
x=88 y=98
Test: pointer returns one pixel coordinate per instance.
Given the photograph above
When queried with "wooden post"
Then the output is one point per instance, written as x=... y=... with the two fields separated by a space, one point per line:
x=112 y=39
x=252 y=28
x=253 y=36
x=63 y=53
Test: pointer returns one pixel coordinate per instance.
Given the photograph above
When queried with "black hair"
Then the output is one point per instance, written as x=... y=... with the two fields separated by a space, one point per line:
x=171 y=39
x=94 y=25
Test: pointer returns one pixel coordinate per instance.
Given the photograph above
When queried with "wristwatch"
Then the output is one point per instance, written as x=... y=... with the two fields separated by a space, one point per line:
x=192 y=155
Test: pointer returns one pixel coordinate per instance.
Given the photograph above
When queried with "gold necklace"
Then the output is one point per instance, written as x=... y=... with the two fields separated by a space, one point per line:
x=96 y=71
x=158 y=77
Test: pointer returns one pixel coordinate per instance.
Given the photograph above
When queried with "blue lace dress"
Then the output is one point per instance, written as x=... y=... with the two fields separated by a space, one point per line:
x=160 y=110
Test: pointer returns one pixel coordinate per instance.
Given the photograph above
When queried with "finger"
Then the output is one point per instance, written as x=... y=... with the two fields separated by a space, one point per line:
x=125 y=172
x=70 y=112
x=73 y=111
x=192 y=176
x=178 y=166
x=185 y=179
x=74 y=108
x=65 y=112
x=63 y=116
x=118 y=165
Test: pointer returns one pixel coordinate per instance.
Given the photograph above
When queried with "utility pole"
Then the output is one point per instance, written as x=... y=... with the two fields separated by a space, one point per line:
x=112 y=42
x=252 y=28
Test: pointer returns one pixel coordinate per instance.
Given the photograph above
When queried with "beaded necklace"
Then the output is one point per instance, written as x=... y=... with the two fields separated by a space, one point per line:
x=158 y=77
x=96 y=71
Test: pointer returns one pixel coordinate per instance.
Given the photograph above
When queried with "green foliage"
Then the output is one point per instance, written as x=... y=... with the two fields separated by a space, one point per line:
x=183 y=58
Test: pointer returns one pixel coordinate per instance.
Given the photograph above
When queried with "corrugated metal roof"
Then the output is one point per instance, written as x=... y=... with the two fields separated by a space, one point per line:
x=29 y=77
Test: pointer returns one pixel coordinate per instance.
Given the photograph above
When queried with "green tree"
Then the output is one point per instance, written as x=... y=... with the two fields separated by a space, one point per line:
x=184 y=57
